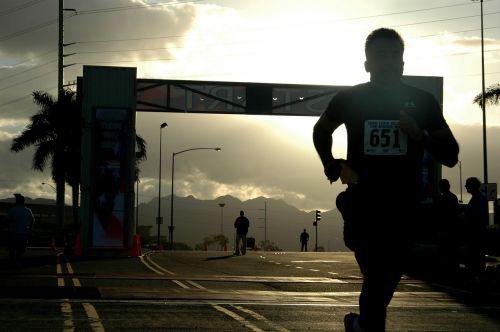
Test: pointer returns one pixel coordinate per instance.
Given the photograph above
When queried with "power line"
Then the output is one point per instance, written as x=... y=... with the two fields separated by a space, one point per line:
x=28 y=30
x=441 y=20
x=169 y=59
x=28 y=80
x=20 y=7
x=27 y=70
x=460 y=31
x=22 y=98
x=131 y=7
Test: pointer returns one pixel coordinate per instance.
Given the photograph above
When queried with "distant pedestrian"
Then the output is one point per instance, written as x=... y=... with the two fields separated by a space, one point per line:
x=304 y=237
x=446 y=212
x=476 y=219
x=241 y=224
x=21 y=220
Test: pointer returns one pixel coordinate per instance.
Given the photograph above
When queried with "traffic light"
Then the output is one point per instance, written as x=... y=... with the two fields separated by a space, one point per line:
x=318 y=215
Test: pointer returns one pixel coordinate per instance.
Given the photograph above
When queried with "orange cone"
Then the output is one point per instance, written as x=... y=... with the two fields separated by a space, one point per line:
x=78 y=246
x=53 y=244
x=225 y=247
x=136 y=249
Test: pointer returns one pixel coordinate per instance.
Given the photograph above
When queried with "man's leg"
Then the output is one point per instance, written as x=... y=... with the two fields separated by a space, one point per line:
x=243 y=244
x=237 y=246
x=381 y=275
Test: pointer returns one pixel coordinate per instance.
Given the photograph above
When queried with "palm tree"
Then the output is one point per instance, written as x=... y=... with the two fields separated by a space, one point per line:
x=52 y=131
x=491 y=95
x=56 y=132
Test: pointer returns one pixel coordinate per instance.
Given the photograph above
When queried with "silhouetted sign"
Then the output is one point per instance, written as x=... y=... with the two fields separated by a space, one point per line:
x=250 y=98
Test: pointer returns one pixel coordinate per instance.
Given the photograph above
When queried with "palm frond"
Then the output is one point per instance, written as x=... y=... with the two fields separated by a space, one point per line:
x=140 y=153
x=491 y=96
x=43 y=152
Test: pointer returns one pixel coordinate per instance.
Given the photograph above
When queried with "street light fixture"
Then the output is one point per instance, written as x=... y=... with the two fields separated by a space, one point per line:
x=159 y=219
x=51 y=186
x=171 y=227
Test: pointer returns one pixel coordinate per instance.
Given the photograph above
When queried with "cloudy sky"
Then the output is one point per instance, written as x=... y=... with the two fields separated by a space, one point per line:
x=276 y=41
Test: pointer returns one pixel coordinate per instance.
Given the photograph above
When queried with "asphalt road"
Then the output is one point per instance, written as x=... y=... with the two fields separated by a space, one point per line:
x=215 y=291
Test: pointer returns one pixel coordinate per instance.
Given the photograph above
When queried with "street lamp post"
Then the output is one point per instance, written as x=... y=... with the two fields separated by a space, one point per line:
x=159 y=219
x=483 y=105
x=485 y=153
x=51 y=186
x=221 y=217
x=171 y=227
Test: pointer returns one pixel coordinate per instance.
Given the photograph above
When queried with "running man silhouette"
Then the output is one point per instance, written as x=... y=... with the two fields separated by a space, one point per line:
x=389 y=124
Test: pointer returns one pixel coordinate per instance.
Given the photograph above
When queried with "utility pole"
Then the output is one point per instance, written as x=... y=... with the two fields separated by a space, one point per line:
x=60 y=183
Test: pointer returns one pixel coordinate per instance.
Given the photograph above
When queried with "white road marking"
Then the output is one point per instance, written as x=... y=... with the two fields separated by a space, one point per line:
x=237 y=317
x=153 y=266
x=158 y=266
x=261 y=318
x=158 y=269
x=180 y=284
x=60 y=281
x=68 y=325
x=150 y=267
x=76 y=282
x=316 y=261
x=195 y=284
x=95 y=321
x=314 y=270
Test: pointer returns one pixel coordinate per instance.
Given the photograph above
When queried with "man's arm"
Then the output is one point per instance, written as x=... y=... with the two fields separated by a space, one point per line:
x=322 y=138
x=443 y=146
x=440 y=143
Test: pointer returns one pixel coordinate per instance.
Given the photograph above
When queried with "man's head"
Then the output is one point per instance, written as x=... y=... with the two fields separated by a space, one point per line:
x=444 y=186
x=384 y=50
x=19 y=199
x=472 y=185
x=242 y=213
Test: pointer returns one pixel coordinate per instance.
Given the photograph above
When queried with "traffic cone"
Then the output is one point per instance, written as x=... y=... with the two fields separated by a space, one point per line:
x=78 y=246
x=52 y=244
x=136 y=249
x=225 y=247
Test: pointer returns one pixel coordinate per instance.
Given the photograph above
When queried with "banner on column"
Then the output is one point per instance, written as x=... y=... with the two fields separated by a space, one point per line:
x=111 y=164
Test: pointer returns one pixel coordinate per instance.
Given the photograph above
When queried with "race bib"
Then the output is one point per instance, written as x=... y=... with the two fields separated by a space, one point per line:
x=383 y=137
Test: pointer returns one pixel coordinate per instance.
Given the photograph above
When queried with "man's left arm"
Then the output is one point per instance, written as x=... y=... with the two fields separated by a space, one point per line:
x=440 y=142
x=442 y=145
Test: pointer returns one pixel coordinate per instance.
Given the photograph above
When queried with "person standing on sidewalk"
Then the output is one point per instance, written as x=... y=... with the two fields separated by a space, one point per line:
x=21 y=221
x=241 y=224
x=304 y=238
x=389 y=125
x=476 y=220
